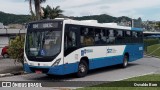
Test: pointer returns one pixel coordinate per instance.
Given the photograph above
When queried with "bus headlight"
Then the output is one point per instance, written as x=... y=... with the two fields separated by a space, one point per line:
x=56 y=62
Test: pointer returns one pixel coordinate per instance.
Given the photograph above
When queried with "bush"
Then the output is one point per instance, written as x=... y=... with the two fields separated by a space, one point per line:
x=154 y=50
x=149 y=42
x=16 y=49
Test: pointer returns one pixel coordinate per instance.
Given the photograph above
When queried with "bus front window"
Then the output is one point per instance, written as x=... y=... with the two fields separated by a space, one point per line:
x=43 y=43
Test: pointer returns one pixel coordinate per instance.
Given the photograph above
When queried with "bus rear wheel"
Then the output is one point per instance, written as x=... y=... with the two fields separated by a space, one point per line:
x=125 y=61
x=82 y=69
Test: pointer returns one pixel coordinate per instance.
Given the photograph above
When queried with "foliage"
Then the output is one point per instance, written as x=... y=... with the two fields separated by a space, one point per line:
x=154 y=50
x=129 y=84
x=16 y=48
x=7 y=18
x=51 y=13
x=12 y=18
x=37 y=14
x=33 y=16
x=149 y=42
x=158 y=25
x=103 y=18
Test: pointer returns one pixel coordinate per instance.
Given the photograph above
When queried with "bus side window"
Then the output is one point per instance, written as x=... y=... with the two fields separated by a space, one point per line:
x=111 y=39
x=100 y=36
x=107 y=35
x=128 y=36
x=134 y=34
x=119 y=37
x=87 y=35
x=134 y=37
x=140 y=37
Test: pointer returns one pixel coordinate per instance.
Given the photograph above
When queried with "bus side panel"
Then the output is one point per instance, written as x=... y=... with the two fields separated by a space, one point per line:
x=64 y=69
x=101 y=56
x=70 y=68
x=57 y=70
x=107 y=56
x=106 y=61
x=71 y=62
x=135 y=51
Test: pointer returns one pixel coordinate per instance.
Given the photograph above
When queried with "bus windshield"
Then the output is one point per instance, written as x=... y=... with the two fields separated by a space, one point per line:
x=44 y=43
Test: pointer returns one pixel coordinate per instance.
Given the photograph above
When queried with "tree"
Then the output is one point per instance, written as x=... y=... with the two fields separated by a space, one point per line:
x=51 y=13
x=33 y=16
x=38 y=8
x=37 y=14
x=157 y=26
x=16 y=49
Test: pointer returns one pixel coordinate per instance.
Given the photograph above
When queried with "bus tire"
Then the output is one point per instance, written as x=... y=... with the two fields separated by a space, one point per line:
x=82 y=69
x=125 y=61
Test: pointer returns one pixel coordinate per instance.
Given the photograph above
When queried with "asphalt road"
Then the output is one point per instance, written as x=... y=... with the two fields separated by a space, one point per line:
x=147 y=65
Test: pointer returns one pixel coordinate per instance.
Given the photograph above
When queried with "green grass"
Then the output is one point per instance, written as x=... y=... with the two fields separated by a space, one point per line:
x=153 y=77
x=152 y=48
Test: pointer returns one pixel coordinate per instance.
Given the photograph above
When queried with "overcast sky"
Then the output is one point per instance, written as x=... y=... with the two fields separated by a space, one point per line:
x=146 y=9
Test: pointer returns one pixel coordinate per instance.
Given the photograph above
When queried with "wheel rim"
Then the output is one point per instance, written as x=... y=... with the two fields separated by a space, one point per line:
x=125 y=61
x=82 y=68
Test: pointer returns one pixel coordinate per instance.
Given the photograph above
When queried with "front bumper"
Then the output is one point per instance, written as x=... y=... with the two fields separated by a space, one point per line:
x=57 y=70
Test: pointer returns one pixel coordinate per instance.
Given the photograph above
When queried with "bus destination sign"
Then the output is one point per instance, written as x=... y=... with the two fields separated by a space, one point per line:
x=45 y=25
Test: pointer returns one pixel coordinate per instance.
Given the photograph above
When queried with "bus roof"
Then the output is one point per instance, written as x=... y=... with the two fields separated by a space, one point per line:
x=89 y=23
x=95 y=23
x=46 y=20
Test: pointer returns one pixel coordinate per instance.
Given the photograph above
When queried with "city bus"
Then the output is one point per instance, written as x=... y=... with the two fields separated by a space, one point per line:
x=65 y=46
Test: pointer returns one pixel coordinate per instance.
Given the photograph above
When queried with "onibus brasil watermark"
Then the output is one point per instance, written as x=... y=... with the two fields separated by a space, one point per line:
x=79 y=83
x=21 y=84
x=146 y=84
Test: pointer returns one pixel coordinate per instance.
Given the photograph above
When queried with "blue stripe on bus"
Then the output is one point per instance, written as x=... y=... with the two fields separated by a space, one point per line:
x=105 y=61
x=27 y=68
x=57 y=70
x=137 y=29
x=73 y=67
x=93 y=63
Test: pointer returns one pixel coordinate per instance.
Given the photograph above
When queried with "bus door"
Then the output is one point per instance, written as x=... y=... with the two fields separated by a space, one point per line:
x=71 y=40
x=70 y=45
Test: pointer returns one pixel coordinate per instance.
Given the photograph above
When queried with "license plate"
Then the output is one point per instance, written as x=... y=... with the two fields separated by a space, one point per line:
x=38 y=71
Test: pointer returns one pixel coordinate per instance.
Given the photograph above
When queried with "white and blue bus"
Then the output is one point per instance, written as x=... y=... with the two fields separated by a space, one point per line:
x=65 y=46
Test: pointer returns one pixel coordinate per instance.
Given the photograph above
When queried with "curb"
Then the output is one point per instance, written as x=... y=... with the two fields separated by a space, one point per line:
x=6 y=74
x=152 y=56
x=12 y=74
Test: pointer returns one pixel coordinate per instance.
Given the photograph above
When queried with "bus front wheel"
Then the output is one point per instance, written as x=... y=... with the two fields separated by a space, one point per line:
x=125 y=61
x=82 y=69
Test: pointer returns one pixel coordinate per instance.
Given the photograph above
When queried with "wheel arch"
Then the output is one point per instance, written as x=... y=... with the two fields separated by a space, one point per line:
x=127 y=54
x=85 y=59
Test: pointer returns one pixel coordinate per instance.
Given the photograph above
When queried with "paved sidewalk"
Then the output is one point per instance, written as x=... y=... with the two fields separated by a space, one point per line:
x=9 y=66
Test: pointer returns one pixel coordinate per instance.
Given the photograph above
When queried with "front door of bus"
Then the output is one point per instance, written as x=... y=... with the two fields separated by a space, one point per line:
x=70 y=46
x=70 y=40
